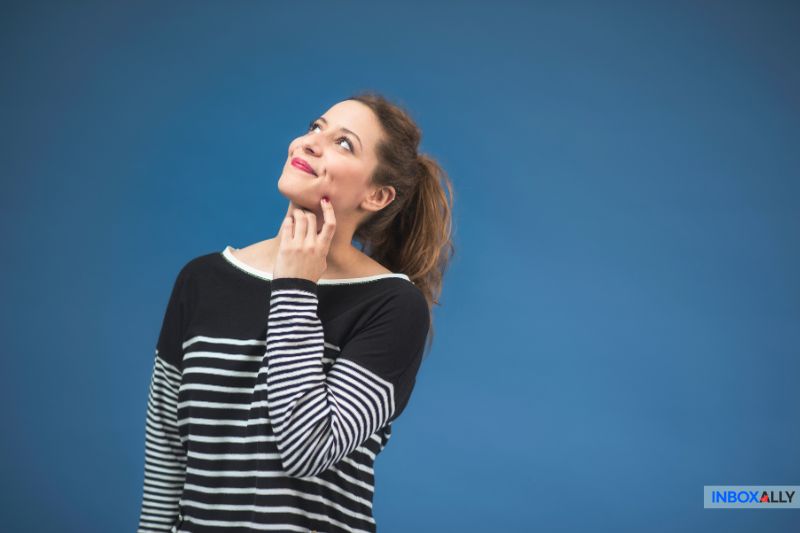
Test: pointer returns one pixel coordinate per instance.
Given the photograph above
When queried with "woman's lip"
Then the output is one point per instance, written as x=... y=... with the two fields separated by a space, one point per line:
x=302 y=166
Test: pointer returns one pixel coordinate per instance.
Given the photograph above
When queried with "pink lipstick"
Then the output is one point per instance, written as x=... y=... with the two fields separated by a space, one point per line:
x=302 y=165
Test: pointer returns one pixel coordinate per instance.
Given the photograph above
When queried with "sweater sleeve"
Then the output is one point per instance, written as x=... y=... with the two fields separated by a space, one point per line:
x=318 y=419
x=165 y=456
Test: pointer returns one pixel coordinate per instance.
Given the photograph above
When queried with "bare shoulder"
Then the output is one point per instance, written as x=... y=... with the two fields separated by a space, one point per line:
x=258 y=254
x=261 y=255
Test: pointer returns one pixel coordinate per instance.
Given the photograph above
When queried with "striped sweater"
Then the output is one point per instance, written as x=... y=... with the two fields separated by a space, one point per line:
x=271 y=398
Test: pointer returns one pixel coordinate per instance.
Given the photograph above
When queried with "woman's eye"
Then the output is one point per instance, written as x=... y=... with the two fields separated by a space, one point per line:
x=349 y=144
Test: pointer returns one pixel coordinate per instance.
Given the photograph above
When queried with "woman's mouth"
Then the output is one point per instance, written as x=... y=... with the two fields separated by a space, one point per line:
x=302 y=165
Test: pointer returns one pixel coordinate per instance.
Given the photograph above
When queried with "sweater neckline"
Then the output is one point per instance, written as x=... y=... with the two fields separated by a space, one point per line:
x=262 y=274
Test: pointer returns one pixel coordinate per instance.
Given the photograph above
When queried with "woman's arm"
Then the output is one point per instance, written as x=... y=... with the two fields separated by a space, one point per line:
x=319 y=419
x=165 y=455
x=165 y=458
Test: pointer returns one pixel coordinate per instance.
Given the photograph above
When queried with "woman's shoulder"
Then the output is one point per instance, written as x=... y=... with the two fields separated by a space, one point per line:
x=258 y=255
x=198 y=264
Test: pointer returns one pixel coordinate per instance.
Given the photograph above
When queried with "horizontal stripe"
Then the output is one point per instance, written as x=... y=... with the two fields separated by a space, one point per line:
x=165 y=460
x=318 y=421
x=273 y=492
x=261 y=509
x=166 y=470
x=277 y=429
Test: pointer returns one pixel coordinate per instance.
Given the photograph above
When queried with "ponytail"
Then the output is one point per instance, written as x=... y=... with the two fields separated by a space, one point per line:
x=413 y=234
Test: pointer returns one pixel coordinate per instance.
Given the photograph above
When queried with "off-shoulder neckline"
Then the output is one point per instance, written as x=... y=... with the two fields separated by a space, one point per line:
x=262 y=274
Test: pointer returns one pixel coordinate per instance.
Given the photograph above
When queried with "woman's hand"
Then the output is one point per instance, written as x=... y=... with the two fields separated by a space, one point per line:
x=302 y=252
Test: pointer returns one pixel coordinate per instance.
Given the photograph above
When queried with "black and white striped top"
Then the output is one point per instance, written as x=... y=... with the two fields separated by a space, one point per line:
x=270 y=399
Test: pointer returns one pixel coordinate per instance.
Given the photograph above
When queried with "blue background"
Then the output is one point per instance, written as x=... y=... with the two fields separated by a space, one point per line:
x=620 y=325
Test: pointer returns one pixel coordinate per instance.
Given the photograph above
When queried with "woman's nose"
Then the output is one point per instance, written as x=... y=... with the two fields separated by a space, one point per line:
x=311 y=146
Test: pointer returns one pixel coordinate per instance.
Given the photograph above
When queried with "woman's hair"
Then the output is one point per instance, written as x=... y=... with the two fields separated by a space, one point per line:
x=412 y=234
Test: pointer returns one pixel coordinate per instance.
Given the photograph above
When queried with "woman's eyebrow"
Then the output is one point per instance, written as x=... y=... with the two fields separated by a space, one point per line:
x=346 y=130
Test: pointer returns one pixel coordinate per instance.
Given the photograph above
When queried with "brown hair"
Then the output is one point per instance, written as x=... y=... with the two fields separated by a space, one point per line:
x=412 y=234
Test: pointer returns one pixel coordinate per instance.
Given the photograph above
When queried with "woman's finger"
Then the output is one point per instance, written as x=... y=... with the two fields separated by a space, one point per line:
x=329 y=224
x=311 y=230
x=300 y=226
x=286 y=231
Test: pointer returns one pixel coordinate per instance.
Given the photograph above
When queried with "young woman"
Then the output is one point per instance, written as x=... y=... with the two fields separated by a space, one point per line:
x=281 y=366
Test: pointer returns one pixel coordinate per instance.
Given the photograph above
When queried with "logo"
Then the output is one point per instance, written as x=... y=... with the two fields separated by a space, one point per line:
x=751 y=497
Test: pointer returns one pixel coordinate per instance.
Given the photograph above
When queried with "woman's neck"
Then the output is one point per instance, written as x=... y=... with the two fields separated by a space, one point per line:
x=343 y=260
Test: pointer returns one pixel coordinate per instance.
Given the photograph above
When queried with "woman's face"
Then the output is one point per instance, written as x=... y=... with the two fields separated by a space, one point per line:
x=342 y=161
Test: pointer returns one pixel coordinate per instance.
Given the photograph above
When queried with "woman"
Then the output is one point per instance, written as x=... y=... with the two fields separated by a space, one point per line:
x=268 y=413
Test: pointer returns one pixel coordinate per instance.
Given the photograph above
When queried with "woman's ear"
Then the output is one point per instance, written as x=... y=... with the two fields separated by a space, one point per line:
x=379 y=198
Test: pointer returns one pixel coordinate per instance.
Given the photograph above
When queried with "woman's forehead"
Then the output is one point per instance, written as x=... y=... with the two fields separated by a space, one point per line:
x=356 y=117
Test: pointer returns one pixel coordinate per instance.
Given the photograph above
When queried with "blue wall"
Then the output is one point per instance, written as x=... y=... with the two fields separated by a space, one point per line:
x=620 y=325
